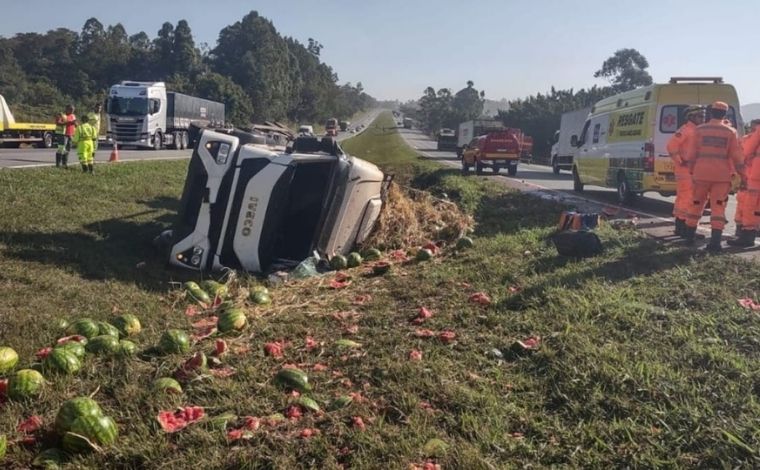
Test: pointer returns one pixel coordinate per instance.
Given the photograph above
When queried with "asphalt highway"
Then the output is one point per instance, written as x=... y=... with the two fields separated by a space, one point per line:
x=541 y=178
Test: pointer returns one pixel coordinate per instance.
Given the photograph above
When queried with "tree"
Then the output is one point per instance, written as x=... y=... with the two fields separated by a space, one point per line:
x=625 y=70
x=239 y=110
x=163 y=50
x=183 y=49
x=468 y=103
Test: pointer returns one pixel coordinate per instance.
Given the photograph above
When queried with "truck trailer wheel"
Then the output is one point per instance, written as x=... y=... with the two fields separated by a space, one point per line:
x=186 y=144
x=47 y=140
x=495 y=169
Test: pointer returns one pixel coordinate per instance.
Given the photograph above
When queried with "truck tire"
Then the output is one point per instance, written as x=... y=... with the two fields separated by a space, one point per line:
x=495 y=169
x=177 y=140
x=47 y=140
x=512 y=170
x=186 y=144
x=625 y=196
x=555 y=165
x=158 y=141
x=577 y=183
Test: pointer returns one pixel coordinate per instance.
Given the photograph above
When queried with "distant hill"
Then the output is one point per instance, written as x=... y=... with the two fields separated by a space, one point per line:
x=750 y=111
x=492 y=108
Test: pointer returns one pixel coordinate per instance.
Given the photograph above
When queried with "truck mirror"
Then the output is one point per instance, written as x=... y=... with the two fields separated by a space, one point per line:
x=574 y=141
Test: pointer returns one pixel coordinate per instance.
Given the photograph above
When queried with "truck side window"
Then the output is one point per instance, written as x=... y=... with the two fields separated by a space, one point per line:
x=597 y=128
x=155 y=106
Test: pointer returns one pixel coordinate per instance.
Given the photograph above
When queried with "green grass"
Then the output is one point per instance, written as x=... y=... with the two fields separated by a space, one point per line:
x=646 y=359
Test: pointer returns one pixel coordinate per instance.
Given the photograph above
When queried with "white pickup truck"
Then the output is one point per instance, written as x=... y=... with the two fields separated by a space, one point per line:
x=248 y=205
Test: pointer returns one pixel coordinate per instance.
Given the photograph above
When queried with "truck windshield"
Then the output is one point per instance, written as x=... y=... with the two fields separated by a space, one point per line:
x=127 y=106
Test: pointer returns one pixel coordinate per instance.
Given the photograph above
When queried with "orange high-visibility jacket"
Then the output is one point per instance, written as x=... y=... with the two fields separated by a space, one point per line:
x=679 y=143
x=714 y=153
x=751 y=148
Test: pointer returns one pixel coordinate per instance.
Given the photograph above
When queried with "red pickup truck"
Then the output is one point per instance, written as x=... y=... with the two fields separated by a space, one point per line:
x=331 y=127
x=499 y=149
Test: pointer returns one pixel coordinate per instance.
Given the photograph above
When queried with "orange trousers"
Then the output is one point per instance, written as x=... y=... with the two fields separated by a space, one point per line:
x=683 y=194
x=752 y=206
x=717 y=193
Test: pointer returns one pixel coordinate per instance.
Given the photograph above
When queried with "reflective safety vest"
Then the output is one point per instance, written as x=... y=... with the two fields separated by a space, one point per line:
x=85 y=132
x=60 y=123
x=751 y=148
x=679 y=143
x=715 y=153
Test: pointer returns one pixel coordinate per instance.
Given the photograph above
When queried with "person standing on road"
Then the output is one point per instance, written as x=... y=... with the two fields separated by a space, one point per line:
x=751 y=210
x=677 y=147
x=710 y=155
x=66 y=123
x=83 y=138
x=741 y=218
x=94 y=120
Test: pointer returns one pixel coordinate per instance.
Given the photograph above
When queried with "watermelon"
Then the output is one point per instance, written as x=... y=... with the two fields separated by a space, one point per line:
x=62 y=324
x=464 y=243
x=63 y=360
x=354 y=259
x=74 y=348
x=338 y=262
x=341 y=402
x=127 y=348
x=3 y=446
x=73 y=409
x=49 y=459
x=195 y=291
x=259 y=288
x=168 y=385
x=214 y=288
x=424 y=255
x=381 y=267
x=84 y=327
x=372 y=254
x=232 y=319
x=128 y=325
x=174 y=341
x=347 y=343
x=8 y=359
x=105 y=344
x=435 y=448
x=308 y=403
x=98 y=430
x=261 y=298
x=293 y=378
x=107 y=329
x=24 y=384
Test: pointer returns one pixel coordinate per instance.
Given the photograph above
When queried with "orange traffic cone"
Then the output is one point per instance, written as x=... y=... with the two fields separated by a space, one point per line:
x=114 y=153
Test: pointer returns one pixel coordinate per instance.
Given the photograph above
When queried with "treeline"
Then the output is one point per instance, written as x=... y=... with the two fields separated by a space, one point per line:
x=537 y=115
x=259 y=74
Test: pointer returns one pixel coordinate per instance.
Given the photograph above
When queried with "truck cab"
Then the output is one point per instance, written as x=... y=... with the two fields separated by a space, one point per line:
x=500 y=149
x=137 y=113
x=331 y=127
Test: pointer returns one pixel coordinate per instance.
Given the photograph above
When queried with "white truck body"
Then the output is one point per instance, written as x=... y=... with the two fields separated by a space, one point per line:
x=144 y=114
x=470 y=129
x=563 y=152
x=249 y=206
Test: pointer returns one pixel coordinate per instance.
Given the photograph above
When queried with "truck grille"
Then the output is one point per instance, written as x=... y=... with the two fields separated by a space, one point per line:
x=126 y=131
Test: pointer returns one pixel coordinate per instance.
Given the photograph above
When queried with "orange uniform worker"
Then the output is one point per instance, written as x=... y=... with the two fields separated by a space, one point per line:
x=710 y=154
x=751 y=148
x=743 y=208
x=677 y=147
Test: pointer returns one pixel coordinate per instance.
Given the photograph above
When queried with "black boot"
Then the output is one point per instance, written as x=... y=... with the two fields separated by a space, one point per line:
x=688 y=235
x=57 y=160
x=90 y=168
x=84 y=168
x=65 y=160
x=680 y=225
x=745 y=239
x=739 y=229
x=713 y=246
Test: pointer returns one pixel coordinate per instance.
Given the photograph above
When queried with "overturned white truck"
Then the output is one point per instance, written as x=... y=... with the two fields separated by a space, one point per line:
x=247 y=205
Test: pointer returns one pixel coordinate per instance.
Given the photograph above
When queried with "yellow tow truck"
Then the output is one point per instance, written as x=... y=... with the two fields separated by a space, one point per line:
x=14 y=133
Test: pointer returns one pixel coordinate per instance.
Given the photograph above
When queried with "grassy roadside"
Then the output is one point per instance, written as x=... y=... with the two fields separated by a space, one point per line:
x=645 y=359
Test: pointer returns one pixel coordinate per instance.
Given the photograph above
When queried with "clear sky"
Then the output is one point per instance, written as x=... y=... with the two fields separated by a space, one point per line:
x=397 y=48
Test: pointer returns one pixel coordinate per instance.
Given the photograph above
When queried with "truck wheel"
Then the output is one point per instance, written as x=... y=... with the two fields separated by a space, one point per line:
x=177 y=140
x=478 y=168
x=512 y=170
x=577 y=184
x=555 y=166
x=625 y=196
x=186 y=144
x=495 y=169
x=158 y=141
x=47 y=140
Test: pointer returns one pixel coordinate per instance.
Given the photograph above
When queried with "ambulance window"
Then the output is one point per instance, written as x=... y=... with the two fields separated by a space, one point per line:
x=731 y=115
x=597 y=128
x=582 y=138
x=671 y=118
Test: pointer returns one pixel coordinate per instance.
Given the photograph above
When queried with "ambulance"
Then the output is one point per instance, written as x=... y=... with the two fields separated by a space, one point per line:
x=622 y=144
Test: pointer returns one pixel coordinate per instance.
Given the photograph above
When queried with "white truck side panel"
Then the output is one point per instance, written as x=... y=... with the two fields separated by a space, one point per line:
x=571 y=124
